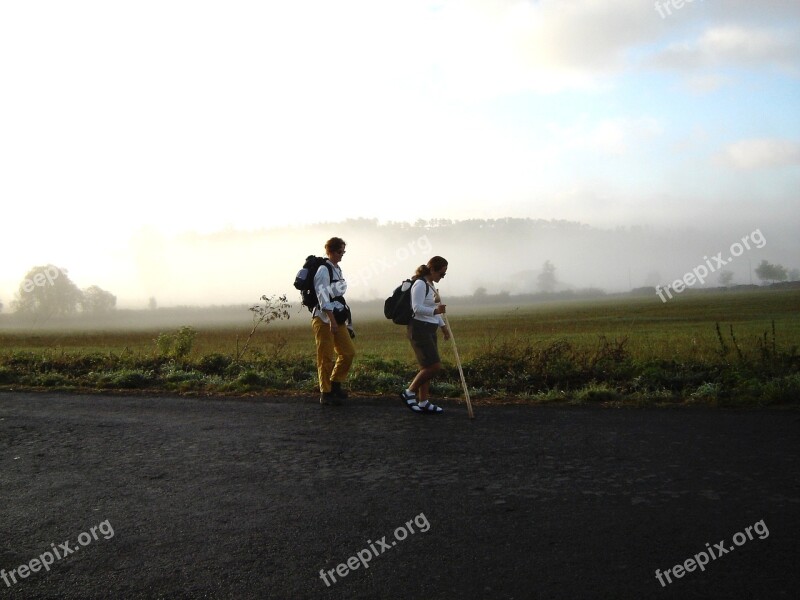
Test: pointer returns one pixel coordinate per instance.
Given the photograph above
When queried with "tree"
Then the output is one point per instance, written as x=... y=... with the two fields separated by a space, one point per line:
x=97 y=301
x=152 y=304
x=47 y=291
x=794 y=275
x=480 y=292
x=769 y=272
x=547 y=278
x=725 y=278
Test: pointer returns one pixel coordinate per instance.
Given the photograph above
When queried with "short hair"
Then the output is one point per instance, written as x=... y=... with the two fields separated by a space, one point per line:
x=334 y=245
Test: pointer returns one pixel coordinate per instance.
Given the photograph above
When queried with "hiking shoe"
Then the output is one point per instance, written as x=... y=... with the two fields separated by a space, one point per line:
x=337 y=390
x=329 y=399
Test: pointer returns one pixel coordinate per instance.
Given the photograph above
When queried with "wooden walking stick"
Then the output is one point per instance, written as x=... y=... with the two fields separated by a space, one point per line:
x=458 y=362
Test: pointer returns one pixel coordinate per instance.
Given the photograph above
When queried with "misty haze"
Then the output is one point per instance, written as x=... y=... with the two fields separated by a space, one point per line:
x=491 y=257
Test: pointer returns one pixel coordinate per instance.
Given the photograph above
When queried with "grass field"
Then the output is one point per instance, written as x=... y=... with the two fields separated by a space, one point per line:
x=728 y=344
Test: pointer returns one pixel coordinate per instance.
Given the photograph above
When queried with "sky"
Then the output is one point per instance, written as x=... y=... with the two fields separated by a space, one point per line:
x=122 y=122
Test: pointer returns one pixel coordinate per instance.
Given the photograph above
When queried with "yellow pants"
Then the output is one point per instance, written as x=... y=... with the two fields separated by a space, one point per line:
x=327 y=344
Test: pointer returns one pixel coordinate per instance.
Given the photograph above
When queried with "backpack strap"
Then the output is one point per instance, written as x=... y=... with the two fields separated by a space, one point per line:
x=330 y=270
x=427 y=285
x=330 y=277
x=414 y=279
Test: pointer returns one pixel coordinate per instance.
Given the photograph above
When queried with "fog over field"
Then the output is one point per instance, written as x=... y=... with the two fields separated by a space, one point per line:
x=506 y=255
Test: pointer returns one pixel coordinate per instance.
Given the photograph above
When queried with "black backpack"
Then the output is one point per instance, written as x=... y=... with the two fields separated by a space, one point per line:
x=304 y=281
x=397 y=307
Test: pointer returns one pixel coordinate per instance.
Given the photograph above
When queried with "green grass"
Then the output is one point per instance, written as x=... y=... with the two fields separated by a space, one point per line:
x=717 y=349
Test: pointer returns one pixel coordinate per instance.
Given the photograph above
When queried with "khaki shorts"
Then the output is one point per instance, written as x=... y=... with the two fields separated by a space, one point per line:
x=424 y=341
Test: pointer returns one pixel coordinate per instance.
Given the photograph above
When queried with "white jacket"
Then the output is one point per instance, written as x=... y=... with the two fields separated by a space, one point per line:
x=327 y=290
x=423 y=304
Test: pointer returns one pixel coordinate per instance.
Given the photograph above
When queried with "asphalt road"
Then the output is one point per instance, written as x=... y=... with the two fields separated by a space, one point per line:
x=163 y=497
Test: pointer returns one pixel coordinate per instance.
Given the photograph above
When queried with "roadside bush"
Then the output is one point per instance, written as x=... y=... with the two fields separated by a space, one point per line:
x=214 y=364
x=179 y=375
x=176 y=345
x=184 y=381
x=7 y=376
x=745 y=371
x=447 y=389
x=370 y=381
x=597 y=392
x=781 y=390
x=374 y=373
x=707 y=392
x=518 y=368
x=247 y=381
x=126 y=379
x=54 y=380
x=551 y=395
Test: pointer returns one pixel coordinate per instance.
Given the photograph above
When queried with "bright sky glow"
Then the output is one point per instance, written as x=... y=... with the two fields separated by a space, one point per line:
x=119 y=118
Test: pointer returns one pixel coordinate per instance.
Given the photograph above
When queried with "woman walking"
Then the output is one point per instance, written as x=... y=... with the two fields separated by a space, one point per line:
x=331 y=323
x=422 y=332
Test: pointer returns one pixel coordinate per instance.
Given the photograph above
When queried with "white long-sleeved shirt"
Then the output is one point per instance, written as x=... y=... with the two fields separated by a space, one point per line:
x=423 y=304
x=326 y=291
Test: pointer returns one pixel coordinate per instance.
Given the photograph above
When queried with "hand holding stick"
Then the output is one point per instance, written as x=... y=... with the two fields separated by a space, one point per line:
x=458 y=362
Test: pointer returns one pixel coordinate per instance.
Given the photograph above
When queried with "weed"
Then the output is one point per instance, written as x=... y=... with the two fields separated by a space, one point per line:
x=596 y=392
x=272 y=309
x=176 y=345
x=126 y=379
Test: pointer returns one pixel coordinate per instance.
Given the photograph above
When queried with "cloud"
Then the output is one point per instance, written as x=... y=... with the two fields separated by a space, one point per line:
x=734 y=45
x=589 y=35
x=500 y=47
x=495 y=48
x=706 y=84
x=761 y=154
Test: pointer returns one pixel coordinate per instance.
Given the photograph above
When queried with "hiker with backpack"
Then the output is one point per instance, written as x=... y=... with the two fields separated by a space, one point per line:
x=426 y=319
x=330 y=319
